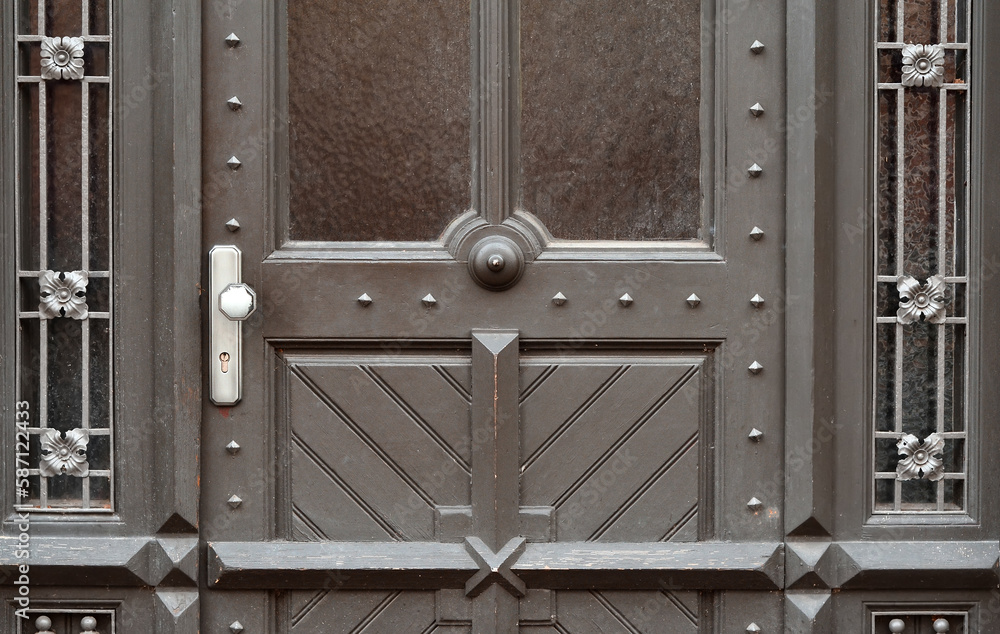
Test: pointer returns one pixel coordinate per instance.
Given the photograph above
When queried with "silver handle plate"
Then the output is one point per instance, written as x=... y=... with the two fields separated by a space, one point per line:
x=231 y=303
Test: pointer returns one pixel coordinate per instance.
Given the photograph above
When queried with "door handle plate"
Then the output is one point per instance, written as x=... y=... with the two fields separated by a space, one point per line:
x=225 y=265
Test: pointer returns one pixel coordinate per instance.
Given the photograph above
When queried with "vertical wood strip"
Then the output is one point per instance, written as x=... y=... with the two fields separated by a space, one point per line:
x=497 y=96
x=495 y=465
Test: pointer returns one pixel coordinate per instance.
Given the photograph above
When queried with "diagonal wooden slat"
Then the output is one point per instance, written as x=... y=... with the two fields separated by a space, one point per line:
x=658 y=419
x=323 y=493
x=686 y=480
x=389 y=432
x=550 y=416
x=326 y=432
x=420 y=394
x=564 y=462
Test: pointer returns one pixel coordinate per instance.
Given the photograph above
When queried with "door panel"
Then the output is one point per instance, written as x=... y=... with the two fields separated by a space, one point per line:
x=555 y=456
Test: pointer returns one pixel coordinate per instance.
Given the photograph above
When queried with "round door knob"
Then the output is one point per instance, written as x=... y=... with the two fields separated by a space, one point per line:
x=496 y=263
x=237 y=301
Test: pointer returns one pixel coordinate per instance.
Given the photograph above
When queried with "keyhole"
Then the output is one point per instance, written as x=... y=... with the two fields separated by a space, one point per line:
x=224 y=357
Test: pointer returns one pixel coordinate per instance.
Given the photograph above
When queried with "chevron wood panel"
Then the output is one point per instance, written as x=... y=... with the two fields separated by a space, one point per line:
x=614 y=445
x=375 y=447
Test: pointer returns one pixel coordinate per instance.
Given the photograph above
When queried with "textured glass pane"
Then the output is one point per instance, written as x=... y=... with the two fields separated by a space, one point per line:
x=954 y=378
x=99 y=452
x=919 y=378
x=100 y=374
x=28 y=375
x=29 y=170
x=918 y=494
x=922 y=22
x=610 y=139
x=921 y=183
x=885 y=377
x=65 y=491
x=98 y=17
x=27 y=16
x=887 y=183
x=96 y=59
x=956 y=198
x=64 y=176
x=99 y=179
x=65 y=373
x=887 y=20
x=64 y=18
x=886 y=454
x=890 y=64
x=378 y=98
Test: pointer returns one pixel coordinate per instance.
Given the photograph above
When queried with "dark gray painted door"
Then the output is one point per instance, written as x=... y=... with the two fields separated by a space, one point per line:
x=432 y=438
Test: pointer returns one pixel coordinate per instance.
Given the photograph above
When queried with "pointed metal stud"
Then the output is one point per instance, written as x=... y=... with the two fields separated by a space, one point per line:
x=755 y=368
x=429 y=300
x=693 y=301
x=757 y=109
x=232 y=40
x=757 y=47
x=234 y=163
x=625 y=300
x=233 y=447
x=558 y=299
x=234 y=103
x=233 y=225
x=756 y=435
x=755 y=505
x=753 y=628
x=234 y=502
x=236 y=627
x=755 y=170
x=757 y=233
x=757 y=301
x=365 y=300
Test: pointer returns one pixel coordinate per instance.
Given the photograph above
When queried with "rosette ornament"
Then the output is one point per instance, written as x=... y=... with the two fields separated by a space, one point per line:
x=62 y=58
x=921 y=301
x=923 y=65
x=63 y=294
x=64 y=454
x=920 y=458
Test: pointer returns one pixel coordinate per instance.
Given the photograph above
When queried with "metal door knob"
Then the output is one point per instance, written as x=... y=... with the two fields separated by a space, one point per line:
x=496 y=263
x=238 y=301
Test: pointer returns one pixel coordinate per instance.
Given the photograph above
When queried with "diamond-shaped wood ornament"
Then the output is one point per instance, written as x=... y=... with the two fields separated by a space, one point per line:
x=233 y=447
x=755 y=171
x=233 y=225
x=233 y=40
x=755 y=368
x=234 y=502
x=558 y=299
x=365 y=300
x=625 y=300
x=236 y=627
x=234 y=103
x=234 y=163
x=754 y=504
x=429 y=300
x=755 y=435
x=693 y=300
x=753 y=628
x=757 y=233
x=757 y=47
x=757 y=301
x=757 y=109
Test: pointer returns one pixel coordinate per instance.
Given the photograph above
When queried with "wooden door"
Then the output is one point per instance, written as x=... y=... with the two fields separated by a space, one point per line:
x=517 y=361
